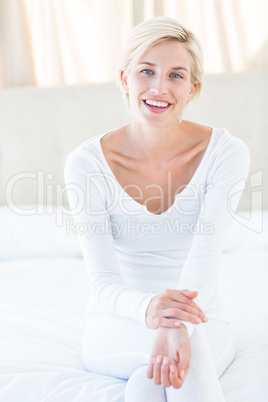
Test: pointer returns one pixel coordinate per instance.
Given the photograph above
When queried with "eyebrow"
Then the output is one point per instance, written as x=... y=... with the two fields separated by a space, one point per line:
x=172 y=68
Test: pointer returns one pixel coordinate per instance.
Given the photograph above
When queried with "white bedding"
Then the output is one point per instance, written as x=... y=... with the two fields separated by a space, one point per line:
x=43 y=294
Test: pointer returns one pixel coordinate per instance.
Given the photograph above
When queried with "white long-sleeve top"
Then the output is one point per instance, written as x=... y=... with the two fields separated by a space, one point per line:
x=132 y=254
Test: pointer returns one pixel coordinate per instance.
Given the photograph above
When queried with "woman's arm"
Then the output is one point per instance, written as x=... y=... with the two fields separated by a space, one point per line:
x=87 y=198
x=225 y=183
x=175 y=304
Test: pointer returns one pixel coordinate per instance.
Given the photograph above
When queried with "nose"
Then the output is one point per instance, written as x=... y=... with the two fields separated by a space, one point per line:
x=159 y=85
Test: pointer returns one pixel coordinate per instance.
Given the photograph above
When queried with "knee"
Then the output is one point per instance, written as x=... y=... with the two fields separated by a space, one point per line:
x=140 y=388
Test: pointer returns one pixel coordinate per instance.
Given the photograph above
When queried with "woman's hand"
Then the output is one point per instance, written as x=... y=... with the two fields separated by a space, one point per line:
x=170 y=358
x=175 y=304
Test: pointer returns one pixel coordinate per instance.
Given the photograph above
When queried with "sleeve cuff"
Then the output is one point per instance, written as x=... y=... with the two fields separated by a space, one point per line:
x=189 y=326
x=144 y=307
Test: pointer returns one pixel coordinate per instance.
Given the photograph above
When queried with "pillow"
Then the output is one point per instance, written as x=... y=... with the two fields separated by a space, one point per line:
x=248 y=232
x=31 y=231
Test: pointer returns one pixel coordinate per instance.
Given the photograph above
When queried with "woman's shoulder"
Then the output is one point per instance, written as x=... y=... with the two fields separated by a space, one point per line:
x=224 y=148
x=89 y=145
x=196 y=132
x=87 y=156
x=229 y=155
x=227 y=143
x=221 y=137
x=89 y=149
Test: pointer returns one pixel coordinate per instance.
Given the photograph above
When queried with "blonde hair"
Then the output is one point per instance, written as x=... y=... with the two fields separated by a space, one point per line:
x=156 y=30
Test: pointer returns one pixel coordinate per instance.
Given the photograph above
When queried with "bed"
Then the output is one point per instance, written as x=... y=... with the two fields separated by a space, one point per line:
x=43 y=278
x=44 y=291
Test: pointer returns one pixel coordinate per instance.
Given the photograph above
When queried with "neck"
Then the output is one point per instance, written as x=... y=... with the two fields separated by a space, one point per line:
x=154 y=143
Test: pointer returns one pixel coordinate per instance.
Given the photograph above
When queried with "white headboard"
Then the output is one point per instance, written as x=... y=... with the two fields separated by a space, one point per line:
x=39 y=127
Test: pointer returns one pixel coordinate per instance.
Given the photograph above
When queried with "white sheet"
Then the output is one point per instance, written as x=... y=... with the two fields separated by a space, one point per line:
x=42 y=316
x=42 y=312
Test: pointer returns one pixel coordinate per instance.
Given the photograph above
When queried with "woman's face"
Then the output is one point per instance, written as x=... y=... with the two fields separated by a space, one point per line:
x=159 y=84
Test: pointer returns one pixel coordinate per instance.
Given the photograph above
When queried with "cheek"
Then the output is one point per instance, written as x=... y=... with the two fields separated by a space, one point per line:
x=180 y=97
x=184 y=92
x=137 y=83
x=137 y=88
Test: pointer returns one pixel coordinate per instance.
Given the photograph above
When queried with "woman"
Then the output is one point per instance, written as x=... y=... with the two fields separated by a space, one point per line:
x=156 y=197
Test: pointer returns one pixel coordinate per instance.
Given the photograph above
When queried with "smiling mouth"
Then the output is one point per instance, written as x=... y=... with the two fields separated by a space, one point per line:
x=155 y=104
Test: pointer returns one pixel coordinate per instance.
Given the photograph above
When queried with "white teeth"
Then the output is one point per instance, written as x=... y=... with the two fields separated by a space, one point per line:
x=154 y=103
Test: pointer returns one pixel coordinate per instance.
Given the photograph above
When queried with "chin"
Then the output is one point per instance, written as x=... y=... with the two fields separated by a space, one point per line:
x=158 y=124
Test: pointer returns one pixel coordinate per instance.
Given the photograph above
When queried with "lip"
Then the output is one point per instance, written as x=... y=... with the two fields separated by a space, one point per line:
x=157 y=100
x=153 y=109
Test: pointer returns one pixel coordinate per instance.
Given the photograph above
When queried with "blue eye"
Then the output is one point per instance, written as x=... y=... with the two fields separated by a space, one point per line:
x=175 y=75
x=146 y=71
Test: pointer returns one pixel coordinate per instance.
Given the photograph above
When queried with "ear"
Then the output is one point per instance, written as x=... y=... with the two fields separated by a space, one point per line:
x=192 y=91
x=124 y=81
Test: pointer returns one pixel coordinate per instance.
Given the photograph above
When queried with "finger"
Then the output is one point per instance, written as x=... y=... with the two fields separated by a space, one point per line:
x=175 y=379
x=179 y=296
x=150 y=368
x=157 y=370
x=189 y=293
x=185 y=356
x=189 y=300
x=172 y=310
x=183 y=315
x=165 y=372
x=169 y=296
x=190 y=309
x=167 y=322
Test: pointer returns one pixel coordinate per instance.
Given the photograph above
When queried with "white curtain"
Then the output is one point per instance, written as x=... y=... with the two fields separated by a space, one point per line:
x=67 y=42
x=233 y=33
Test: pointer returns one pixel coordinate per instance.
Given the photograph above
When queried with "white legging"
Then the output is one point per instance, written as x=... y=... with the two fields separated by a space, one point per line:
x=120 y=348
